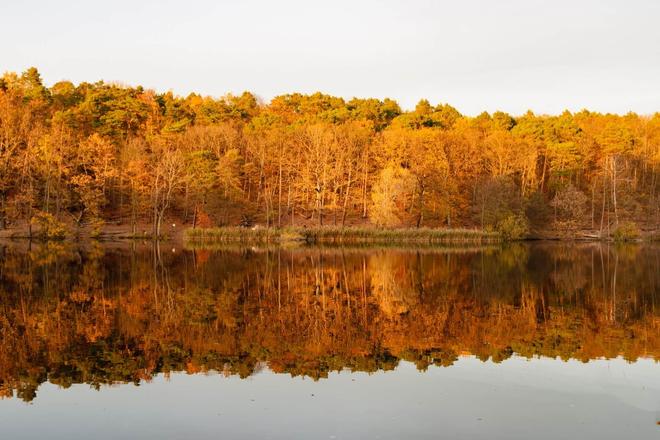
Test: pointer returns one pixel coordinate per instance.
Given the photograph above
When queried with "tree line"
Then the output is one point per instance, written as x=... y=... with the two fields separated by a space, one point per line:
x=94 y=154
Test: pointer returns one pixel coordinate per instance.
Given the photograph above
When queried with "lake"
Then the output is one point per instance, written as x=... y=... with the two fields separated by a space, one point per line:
x=543 y=340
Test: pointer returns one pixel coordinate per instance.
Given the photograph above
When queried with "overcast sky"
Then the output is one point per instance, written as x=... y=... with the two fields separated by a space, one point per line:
x=477 y=55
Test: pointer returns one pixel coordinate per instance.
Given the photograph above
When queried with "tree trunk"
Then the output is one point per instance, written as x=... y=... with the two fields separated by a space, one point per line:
x=593 y=204
x=602 y=212
x=420 y=214
x=346 y=196
x=161 y=214
x=154 y=228
x=545 y=166
x=319 y=203
x=3 y=221
x=364 y=187
x=616 y=213
x=279 y=195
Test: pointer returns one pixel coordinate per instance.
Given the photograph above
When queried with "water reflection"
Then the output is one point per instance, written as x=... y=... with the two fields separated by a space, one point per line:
x=100 y=314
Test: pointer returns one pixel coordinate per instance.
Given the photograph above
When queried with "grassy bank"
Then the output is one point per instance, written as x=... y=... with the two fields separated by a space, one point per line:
x=336 y=235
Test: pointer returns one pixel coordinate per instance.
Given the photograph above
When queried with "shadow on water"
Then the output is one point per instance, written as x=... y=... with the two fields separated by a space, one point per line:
x=101 y=314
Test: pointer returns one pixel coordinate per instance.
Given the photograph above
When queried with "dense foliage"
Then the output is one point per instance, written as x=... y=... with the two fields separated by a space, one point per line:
x=97 y=153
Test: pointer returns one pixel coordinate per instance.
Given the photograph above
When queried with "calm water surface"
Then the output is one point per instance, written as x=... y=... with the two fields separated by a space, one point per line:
x=134 y=341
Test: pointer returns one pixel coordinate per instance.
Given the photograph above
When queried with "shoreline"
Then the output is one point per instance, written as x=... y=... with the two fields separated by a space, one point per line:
x=362 y=235
x=337 y=235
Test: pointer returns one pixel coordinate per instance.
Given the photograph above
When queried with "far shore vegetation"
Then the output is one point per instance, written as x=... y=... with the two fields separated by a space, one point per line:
x=112 y=161
x=336 y=235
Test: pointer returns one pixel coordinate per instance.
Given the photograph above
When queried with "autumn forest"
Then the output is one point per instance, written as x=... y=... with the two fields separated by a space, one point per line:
x=93 y=155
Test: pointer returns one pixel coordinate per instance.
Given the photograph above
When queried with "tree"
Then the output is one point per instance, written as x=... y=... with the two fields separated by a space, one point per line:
x=317 y=143
x=495 y=200
x=94 y=166
x=91 y=152
x=615 y=141
x=569 y=204
x=390 y=195
x=134 y=180
x=167 y=177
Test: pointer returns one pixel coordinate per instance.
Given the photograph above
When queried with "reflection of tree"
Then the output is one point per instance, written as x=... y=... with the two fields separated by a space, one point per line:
x=104 y=315
x=393 y=284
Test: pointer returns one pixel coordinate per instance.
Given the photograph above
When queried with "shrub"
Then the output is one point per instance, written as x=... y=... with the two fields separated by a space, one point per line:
x=537 y=210
x=626 y=231
x=96 y=227
x=569 y=204
x=513 y=227
x=495 y=198
x=48 y=227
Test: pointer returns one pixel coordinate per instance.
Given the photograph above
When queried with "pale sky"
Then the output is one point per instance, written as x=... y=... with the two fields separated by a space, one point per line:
x=477 y=55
